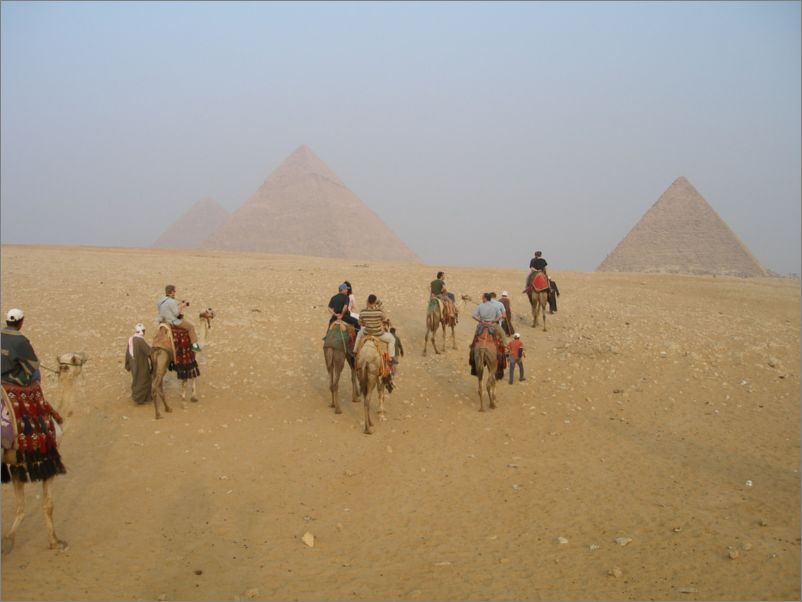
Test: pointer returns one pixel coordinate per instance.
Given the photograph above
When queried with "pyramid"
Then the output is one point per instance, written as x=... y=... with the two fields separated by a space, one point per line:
x=194 y=226
x=681 y=233
x=303 y=208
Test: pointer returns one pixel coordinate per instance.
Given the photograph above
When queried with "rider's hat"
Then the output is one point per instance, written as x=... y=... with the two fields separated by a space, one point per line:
x=516 y=336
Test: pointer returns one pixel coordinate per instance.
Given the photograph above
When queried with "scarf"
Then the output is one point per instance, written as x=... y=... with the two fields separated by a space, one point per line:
x=139 y=331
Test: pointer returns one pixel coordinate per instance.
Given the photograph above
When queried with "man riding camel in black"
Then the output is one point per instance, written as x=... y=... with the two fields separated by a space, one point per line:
x=537 y=264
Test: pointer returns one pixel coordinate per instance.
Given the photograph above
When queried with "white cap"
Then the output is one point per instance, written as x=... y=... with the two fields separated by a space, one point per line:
x=14 y=315
x=504 y=294
x=516 y=336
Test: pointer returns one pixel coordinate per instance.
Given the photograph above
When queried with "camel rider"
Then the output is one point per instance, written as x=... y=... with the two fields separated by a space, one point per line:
x=503 y=311
x=537 y=264
x=338 y=307
x=25 y=411
x=488 y=315
x=437 y=288
x=172 y=312
x=20 y=366
x=375 y=322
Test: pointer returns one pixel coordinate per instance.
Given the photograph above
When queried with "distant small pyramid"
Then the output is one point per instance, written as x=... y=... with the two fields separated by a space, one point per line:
x=194 y=226
x=303 y=208
x=681 y=233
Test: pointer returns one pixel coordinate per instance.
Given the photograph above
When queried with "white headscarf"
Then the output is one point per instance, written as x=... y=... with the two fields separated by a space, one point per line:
x=139 y=331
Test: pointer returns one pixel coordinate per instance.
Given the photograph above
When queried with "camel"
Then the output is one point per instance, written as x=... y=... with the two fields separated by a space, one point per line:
x=335 y=356
x=485 y=356
x=369 y=374
x=206 y=317
x=162 y=354
x=435 y=319
x=538 y=299
x=70 y=365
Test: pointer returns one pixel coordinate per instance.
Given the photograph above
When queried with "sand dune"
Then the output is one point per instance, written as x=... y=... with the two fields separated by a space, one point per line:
x=650 y=402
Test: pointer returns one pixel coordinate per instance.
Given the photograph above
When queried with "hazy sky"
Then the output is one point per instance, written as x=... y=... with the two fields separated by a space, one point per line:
x=477 y=131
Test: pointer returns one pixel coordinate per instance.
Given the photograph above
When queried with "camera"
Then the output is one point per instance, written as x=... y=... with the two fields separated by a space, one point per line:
x=185 y=303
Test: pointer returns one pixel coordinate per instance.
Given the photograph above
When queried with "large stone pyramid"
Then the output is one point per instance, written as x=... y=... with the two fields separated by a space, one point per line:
x=194 y=226
x=304 y=209
x=681 y=233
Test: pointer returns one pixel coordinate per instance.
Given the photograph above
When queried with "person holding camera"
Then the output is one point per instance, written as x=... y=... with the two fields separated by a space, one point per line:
x=172 y=312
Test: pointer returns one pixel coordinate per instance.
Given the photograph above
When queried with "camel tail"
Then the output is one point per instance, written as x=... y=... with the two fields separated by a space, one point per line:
x=362 y=376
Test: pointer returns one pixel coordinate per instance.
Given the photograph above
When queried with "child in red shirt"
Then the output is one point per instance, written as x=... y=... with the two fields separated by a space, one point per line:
x=516 y=351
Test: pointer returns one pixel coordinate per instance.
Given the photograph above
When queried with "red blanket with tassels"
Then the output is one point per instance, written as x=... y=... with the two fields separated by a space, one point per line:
x=540 y=282
x=184 y=362
x=37 y=450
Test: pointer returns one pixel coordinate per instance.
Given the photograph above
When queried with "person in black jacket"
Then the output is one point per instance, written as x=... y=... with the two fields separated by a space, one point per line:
x=554 y=292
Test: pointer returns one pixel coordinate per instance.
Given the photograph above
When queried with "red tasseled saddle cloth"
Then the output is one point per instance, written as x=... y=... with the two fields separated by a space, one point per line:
x=540 y=282
x=184 y=362
x=35 y=450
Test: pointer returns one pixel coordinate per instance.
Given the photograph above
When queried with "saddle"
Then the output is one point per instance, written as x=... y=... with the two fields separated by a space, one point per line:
x=35 y=449
x=175 y=340
x=163 y=339
x=340 y=335
x=540 y=283
x=383 y=349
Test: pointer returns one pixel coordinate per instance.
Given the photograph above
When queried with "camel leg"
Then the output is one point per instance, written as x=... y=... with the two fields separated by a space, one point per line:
x=443 y=325
x=354 y=387
x=453 y=337
x=543 y=302
x=19 y=496
x=157 y=391
x=491 y=387
x=194 y=393
x=478 y=361
x=334 y=383
x=368 y=391
x=381 y=390
x=47 y=507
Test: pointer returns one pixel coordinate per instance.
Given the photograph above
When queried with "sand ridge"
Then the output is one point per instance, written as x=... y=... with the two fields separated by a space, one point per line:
x=650 y=402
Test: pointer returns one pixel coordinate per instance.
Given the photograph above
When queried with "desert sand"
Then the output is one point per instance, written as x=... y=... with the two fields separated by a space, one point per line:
x=660 y=409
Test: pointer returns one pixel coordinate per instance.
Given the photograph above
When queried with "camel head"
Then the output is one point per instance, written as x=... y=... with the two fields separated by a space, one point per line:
x=207 y=314
x=69 y=367
x=71 y=362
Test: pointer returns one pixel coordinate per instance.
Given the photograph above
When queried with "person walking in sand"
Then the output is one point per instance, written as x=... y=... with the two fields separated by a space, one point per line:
x=399 y=350
x=172 y=312
x=517 y=355
x=507 y=324
x=139 y=364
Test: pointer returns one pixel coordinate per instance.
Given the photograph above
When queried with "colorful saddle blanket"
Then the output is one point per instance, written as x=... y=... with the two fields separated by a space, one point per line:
x=35 y=449
x=382 y=348
x=184 y=362
x=540 y=282
x=340 y=335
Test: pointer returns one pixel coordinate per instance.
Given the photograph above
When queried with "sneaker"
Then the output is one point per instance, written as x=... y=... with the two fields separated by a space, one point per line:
x=520 y=380
x=195 y=347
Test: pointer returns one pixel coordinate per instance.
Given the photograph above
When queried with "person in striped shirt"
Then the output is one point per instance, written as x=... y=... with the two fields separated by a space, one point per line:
x=374 y=322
